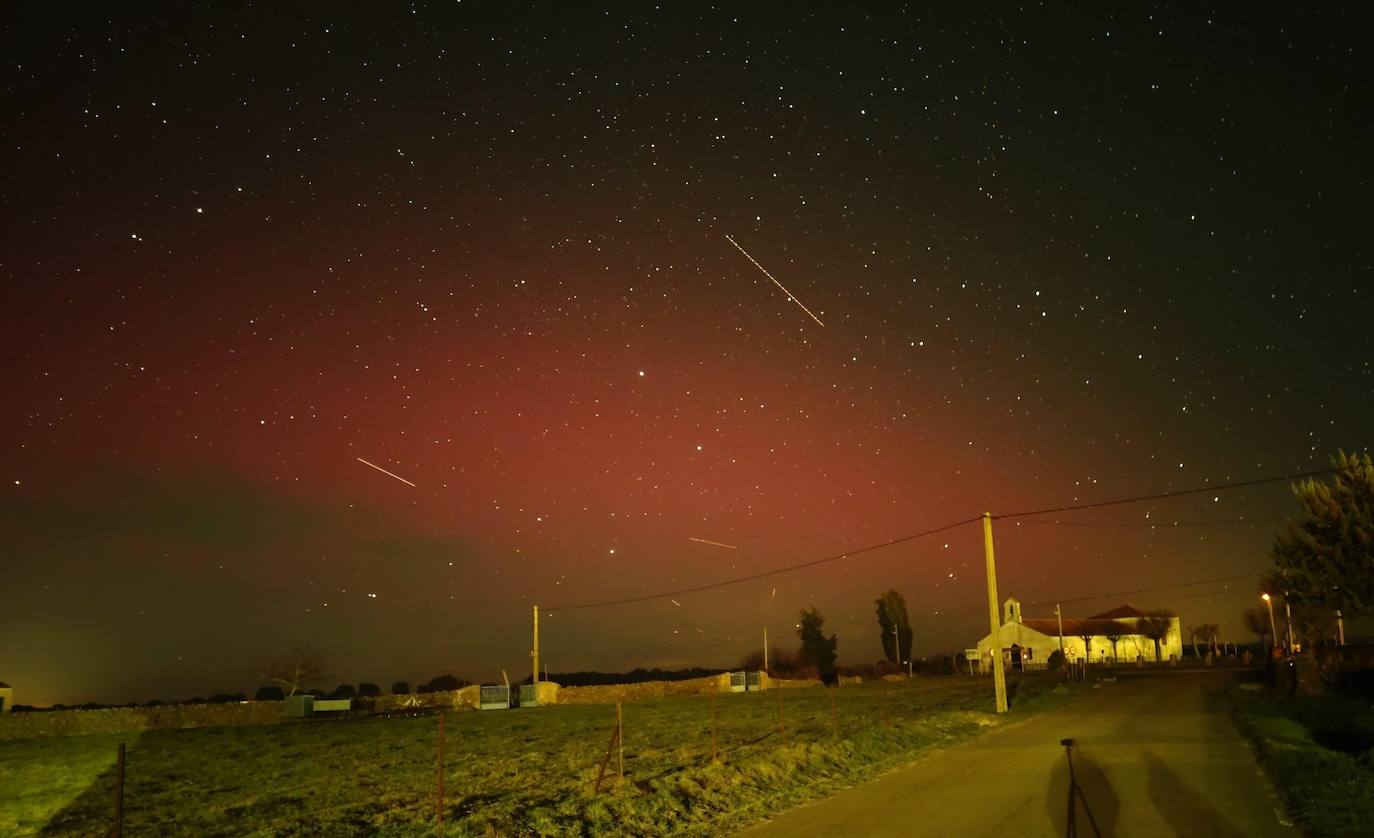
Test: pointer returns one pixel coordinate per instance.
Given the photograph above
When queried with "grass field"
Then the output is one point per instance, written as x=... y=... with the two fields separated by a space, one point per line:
x=510 y=772
x=1327 y=792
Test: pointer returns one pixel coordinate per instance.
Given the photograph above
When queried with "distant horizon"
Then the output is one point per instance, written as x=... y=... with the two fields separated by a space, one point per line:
x=1362 y=634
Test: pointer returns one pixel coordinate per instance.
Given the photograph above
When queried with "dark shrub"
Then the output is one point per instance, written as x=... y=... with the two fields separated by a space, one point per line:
x=443 y=683
x=269 y=694
x=367 y=690
x=400 y=688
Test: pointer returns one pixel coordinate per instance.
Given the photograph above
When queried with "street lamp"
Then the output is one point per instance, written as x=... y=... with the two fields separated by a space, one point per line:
x=1273 y=629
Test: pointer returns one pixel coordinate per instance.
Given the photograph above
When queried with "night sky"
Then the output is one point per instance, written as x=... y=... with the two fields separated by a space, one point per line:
x=1060 y=256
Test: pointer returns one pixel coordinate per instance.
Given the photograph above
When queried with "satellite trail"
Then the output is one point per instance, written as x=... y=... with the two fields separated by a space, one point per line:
x=789 y=294
x=387 y=473
x=712 y=543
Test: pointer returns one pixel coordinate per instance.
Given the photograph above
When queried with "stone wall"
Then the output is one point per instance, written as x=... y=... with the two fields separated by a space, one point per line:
x=29 y=725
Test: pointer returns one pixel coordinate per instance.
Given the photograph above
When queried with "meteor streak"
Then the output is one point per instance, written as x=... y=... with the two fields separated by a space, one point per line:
x=789 y=294
x=712 y=543
x=387 y=473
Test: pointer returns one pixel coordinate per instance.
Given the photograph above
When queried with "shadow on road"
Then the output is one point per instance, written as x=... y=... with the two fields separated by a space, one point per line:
x=1097 y=793
x=1183 y=807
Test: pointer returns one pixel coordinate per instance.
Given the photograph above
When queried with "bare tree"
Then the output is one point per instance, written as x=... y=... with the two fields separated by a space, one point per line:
x=1087 y=645
x=1194 y=632
x=295 y=669
x=1213 y=632
x=1207 y=633
x=1155 y=625
x=1115 y=637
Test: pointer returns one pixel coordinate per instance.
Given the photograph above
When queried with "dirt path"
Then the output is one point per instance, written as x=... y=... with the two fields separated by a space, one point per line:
x=1155 y=755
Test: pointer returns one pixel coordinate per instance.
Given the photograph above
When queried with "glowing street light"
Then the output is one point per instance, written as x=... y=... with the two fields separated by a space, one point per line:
x=1273 y=629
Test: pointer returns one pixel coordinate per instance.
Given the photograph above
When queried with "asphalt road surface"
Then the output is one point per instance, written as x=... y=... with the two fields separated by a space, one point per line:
x=1155 y=754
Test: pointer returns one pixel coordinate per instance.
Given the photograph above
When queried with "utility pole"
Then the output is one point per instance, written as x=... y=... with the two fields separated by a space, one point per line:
x=1060 y=617
x=1288 y=617
x=1340 y=628
x=765 y=648
x=999 y=678
x=896 y=644
x=534 y=653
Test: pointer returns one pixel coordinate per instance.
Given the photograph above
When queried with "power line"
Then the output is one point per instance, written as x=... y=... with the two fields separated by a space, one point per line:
x=1154 y=524
x=766 y=573
x=1026 y=514
x=1162 y=495
x=1152 y=590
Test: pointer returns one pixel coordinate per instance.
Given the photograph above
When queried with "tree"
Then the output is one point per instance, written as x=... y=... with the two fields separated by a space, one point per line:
x=817 y=649
x=1207 y=633
x=779 y=662
x=1326 y=558
x=269 y=694
x=1314 y=624
x=443 y=683
x=1087 y=645
x=344 y=691
x=1155 y=625
x=892 y=614
x=400 y=688
x=368 y=690
x=1257 y=620
x=1114 y=637
x=295 y=669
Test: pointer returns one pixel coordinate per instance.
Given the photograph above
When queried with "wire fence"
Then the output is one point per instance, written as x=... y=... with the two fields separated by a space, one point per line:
x=510 y=771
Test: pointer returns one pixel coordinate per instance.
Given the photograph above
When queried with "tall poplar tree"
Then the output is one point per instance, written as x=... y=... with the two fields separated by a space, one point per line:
x=892 y=612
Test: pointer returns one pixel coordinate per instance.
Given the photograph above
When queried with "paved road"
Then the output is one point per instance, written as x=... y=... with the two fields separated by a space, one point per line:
x=1156 y=755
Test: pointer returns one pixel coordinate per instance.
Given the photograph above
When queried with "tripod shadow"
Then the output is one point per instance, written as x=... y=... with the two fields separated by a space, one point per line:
x=1187 y=811
x=1097 y=794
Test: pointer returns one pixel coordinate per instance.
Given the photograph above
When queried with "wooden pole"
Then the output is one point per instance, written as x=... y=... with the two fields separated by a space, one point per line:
x=534 y=653
x=439 y=797
x=765 y=648
x=999 y=678
x=118 y=830
x=1059 y=615
x=610 y=746
x=620 y=738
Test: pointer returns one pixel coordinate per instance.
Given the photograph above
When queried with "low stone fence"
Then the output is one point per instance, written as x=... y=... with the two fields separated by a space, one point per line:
x=34 y=724
x=611 y=693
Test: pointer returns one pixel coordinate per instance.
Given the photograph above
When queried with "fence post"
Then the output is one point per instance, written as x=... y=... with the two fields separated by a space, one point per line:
x=118 y=830
x=620 y=740
x=439 y=797
x=714 y=750
x=610 y=747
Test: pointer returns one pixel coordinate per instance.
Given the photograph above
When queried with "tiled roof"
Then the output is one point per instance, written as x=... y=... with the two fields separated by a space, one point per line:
x=1080 y=628
x=1119 y=613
